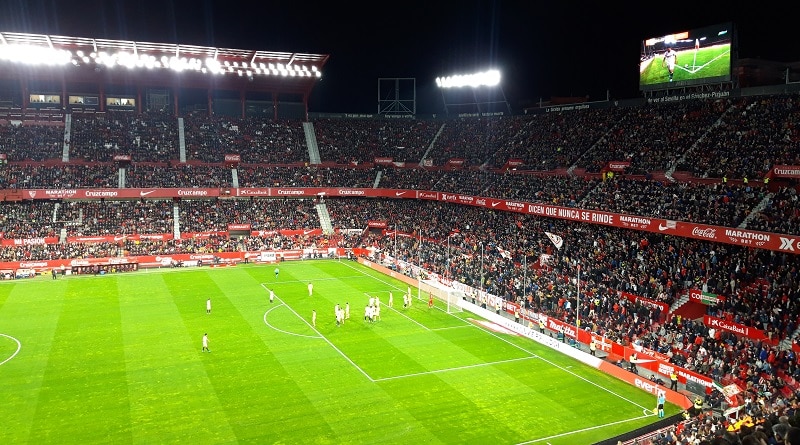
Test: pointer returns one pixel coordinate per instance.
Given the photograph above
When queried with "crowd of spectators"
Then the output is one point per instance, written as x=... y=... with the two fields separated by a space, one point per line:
x=58 y=176
x=98 y=137
x=716 y=204
x=261 y=214
x=352 y=141
x=550 y=141
x=256 y=141
x=652 y=137
x=752 y=135
x=24 y=141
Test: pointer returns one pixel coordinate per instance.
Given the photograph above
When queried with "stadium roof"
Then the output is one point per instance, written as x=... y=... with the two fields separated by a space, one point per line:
x=256 y=70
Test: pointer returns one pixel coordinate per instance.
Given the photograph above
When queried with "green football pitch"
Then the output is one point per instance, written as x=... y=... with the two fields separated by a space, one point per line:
x=117 y=359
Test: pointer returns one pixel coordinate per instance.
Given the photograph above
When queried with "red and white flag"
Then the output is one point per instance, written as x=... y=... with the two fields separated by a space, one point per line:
x=557 y=240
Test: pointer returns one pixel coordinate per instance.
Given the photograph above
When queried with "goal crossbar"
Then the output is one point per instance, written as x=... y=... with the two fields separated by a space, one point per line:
x=452 y=297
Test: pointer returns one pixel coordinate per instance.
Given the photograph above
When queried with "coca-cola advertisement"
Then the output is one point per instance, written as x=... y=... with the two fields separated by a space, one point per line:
x=232 y=158
x=122 y=158
x=383 y=160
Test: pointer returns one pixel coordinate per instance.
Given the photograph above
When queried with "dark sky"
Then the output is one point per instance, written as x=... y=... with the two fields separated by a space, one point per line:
x=544 y=49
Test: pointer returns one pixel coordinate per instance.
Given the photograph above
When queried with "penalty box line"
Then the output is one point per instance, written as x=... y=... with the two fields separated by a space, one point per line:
x=323 y=337
x=457 y=368
x=466 y=323
x=532 y=354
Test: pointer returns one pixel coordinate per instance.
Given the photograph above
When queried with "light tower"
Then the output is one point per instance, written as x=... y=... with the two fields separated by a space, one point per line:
x=477 y=93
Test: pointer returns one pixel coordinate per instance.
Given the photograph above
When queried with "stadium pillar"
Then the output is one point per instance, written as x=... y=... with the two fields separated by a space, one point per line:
x=210 y=103
x=175 y=108
x=63 y=93
x=102 y=98
x=242 y=102
x=26 y=98
x=275 y=107
x=138 y=99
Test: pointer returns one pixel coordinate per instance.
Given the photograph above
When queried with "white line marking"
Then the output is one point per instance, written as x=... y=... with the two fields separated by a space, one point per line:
x=314 y=280
x=527 y=351
x=582 y=430
x=19 y=347
x=322 y=337
x=466 y=323
x=457 y=368
x=281 y=330
x=405 y=316
x=451 y=327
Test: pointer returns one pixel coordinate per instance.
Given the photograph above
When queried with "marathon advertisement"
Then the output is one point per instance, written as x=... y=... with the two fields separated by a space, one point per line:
x=376 y=224
x=127 y=193
x=736 y=328
x=786 y=171
x=233 y=227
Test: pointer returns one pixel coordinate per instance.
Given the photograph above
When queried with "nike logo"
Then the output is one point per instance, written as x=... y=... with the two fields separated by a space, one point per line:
x=662 y=227
x=399 y=193
x=118 y=238
x=306 y=232
x=495 y=204
x=146 y=193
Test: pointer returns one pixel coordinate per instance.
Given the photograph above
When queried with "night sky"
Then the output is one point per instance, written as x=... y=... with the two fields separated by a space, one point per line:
x=543 y=49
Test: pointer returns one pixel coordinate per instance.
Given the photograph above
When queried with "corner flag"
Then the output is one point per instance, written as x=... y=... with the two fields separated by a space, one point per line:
x=557 y=240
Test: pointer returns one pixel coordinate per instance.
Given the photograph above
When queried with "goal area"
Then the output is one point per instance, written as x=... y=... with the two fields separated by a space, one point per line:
x=450 y=296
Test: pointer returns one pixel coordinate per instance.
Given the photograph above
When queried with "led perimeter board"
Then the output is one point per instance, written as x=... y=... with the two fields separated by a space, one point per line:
x=685 y=58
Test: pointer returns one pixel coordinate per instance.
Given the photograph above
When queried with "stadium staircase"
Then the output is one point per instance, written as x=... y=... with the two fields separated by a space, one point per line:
x=181 y=140
x=176 y=221
x=433 y=142
x=571 y=169
x=377 y=179
x=755 y=211
x=671 y=170
x=311 y=143
x=687 y=309
x=67 y=137
x=234 y=178
x=324 y=218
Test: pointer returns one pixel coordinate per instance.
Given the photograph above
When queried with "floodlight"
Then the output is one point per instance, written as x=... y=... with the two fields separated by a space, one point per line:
x=487 y=78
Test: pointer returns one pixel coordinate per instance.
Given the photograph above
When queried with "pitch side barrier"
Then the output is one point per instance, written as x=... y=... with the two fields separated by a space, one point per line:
x=642 y=383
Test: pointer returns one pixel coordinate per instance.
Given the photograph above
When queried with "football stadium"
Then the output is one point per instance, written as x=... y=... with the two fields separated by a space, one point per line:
x=190 y=253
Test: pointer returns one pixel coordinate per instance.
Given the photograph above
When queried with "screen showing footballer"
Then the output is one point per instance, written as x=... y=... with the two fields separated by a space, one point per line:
x=685 y=58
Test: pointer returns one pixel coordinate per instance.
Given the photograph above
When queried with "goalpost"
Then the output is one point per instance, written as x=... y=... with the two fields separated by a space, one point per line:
x=450 y=296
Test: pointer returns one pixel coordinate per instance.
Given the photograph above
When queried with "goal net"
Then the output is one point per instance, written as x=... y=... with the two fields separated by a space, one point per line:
x=451 y=297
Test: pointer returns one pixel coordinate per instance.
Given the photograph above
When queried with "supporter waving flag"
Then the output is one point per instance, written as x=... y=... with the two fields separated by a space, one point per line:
x=557 y=240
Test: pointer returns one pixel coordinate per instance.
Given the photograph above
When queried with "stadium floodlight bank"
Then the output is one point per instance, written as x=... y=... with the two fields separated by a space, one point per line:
x=450 y=296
